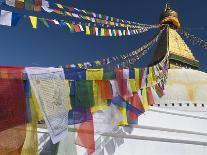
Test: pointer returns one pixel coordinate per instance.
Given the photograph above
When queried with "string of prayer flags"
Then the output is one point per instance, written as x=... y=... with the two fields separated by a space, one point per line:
x=52 y=101
x=138 y=53
x=94 y=17
x=194 y=39
x=9 y=18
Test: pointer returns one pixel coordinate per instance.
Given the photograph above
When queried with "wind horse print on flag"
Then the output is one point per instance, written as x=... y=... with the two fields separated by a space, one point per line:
x=50 y=91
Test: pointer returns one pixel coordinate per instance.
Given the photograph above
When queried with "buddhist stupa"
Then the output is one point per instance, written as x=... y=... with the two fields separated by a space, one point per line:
x=177 y=123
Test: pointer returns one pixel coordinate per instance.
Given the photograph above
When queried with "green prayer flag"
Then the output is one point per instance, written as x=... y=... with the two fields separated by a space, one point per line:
x=29 y=5
x=44 y=21
x=84 y=94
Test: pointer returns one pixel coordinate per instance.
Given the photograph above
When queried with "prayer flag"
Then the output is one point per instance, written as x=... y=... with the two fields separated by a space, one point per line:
x=10 y=2
x=70 y=26
x=150 y=96
x=122 y=77
x=60 y=6
x=88 y=30
x=12 y=97
x=44 y=21
x=9 y=18
x=37 y=5
x=100 y=102
x=94 y=74
x=84 y=93
x=137 y=103
x=19 y=4
x=33 y=21
x=50 y=91
x=145 y=99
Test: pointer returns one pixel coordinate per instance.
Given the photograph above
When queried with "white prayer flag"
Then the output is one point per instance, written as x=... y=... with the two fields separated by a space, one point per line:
x=50 y=91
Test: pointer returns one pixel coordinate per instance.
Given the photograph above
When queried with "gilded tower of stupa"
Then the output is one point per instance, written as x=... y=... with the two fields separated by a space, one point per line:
x=180 y=56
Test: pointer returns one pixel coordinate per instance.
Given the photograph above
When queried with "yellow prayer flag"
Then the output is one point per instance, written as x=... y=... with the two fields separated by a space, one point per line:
x=114 y=32
x=137 y=76
x=33 y=21
x=102 y=32
x=88 y=30
x=94 y=74
x=150 y=77
x=132 y=83
x=31 y=141
x=123 y=112
x=60 y=6
x=145 y=100
x=36 y=106
x=68 y=95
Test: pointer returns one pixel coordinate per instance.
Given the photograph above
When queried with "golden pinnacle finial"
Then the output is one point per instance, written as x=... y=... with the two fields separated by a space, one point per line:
x=169 y=17
x=167 y=6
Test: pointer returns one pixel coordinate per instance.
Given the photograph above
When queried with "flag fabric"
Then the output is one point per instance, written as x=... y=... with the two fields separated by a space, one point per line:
x=33 y=21
x=12 y=97
x=85 y=136
x=94 y=74
x=145 y=99
x=84 y=97
x=44 y=21
x=10 y=2
x=122 y=77
x=19 y=4
x=9 y=18
x=137 y=103
x=50 y=91
x=99 y=102
x=106 y=120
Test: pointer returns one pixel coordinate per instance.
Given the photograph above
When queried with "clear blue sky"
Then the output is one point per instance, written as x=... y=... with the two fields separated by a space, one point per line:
x=22 y=45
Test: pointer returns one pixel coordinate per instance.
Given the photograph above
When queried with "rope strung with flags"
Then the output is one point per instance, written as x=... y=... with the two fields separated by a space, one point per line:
x=194 y=40
x=125 y=59
x=68 y=11
x=9 y=18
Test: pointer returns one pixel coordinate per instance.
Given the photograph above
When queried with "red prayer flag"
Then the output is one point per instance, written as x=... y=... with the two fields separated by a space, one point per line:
x=85 y=136
x=77 y=28
x=150 y=96
x=122 y=84
x=105 y=89
x=12 y=98
x=137 y=103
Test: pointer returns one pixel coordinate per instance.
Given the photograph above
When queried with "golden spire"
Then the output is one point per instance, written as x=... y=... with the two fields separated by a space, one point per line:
x=169 y=17
x=170 y=41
